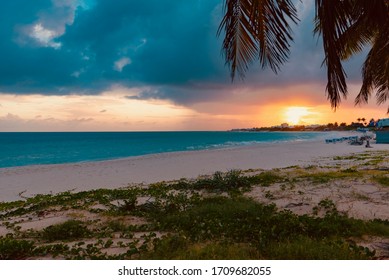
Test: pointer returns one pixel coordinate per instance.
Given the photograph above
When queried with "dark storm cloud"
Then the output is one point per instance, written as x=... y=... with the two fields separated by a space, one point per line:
x=163 y=42
x=27 y=64
x=187 y=94
x=114 y=42
x=170 y=47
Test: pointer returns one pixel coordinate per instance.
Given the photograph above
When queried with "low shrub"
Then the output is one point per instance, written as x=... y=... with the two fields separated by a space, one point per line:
x=69 y=230
x=13 y=249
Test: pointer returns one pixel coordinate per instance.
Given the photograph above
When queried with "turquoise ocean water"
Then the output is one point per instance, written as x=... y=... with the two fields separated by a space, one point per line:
x=31 y=148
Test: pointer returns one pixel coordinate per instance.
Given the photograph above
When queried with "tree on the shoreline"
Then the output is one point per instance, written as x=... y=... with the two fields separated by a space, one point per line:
x=260 y=29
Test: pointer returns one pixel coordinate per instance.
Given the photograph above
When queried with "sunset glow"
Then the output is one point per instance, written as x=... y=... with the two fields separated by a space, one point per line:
x=294 y=115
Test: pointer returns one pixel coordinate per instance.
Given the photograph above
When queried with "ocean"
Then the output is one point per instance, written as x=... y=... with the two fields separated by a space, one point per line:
x=32 y=148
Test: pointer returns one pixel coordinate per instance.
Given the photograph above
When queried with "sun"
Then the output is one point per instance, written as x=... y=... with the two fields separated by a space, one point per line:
x=293 y=115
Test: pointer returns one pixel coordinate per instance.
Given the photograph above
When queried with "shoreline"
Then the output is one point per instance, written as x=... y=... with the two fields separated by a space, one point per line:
x=205 y=146
x=44 y=179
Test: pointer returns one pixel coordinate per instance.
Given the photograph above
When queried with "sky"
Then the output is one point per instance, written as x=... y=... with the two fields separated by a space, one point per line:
x=124 y=65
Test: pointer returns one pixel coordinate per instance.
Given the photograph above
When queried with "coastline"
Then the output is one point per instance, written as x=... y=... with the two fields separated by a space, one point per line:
x=43 y=179
x=79 y=147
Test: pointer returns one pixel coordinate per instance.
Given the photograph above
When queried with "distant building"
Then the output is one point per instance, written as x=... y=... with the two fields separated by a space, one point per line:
x=382 y=136
x=284 y=125
x=382 y=133
x=383 y=123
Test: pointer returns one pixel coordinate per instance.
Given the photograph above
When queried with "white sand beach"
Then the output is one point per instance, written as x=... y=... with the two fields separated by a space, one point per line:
x=356 y=194
x=45 y=179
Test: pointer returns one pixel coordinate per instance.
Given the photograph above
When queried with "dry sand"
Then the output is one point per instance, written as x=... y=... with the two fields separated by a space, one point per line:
x=44 y=179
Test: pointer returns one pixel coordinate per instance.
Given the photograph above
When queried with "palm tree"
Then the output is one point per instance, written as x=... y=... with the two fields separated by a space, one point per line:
x=260 y=29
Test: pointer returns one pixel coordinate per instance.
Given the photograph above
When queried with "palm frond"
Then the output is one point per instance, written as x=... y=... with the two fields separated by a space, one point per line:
x=355 y=38
x=257 y=29
x=332 y=19
x=239 y=44
x=368 y=16
x=375 y=70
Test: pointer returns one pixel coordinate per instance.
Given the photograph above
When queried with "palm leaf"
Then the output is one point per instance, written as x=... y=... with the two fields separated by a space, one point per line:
x=368 y=16
x=348 y=26
x=257 y=29
x=333 y=18
x=375 y=70
x=355 y=38
x=239 y=44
